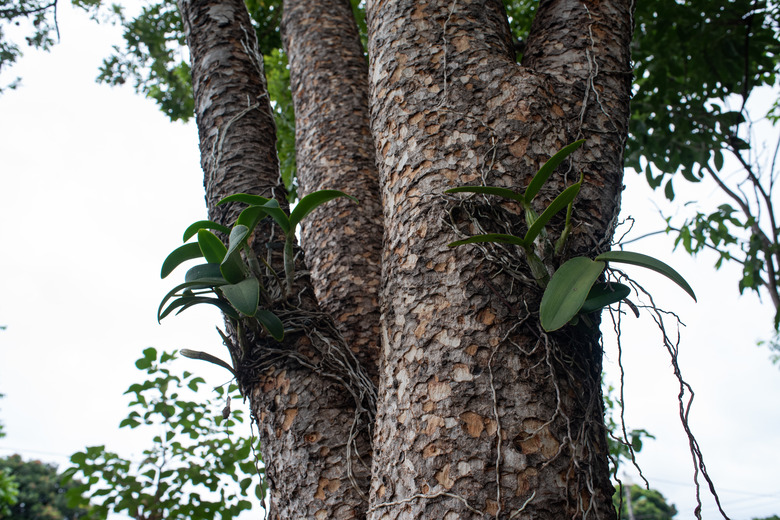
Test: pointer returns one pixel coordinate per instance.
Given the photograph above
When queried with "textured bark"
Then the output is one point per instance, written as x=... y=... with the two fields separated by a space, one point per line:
x=335 y=150
x=304 y=416
x=480 y=412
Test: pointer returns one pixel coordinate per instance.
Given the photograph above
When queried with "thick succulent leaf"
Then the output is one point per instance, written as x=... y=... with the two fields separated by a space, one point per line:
x=567 y=291
x=193 y=229
x=232 y=266
x=547 y=168
x=184 y=302
x=604 y=294
x=648 y=262
x=271 y=323
x=202 y=271
x=201 y=283
x=178 y=256
x=212 y=247
x=308 y=203
x=488 y=190
x=243 y=296
x=490 y=237
x=272 y=209
x=252 y=200
x=251 y=216
x=561 y=201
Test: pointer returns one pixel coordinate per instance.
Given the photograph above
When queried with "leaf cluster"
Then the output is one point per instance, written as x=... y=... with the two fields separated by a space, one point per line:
x=572 y=290
x=196 y=467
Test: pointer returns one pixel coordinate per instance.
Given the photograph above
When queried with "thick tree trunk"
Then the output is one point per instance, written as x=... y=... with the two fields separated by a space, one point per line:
x=480 y=411
x=303 y=391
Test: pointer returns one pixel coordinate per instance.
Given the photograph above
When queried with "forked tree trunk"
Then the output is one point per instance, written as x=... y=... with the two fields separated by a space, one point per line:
x=480 y=412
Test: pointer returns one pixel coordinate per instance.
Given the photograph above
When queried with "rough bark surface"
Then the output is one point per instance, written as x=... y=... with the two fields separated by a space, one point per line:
x=480 y=412
x=298 y=394
x=335 y=150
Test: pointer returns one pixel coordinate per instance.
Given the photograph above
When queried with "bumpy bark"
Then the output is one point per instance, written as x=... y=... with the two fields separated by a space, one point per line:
x=297 y=388
x=343 y=240
x=480 y=412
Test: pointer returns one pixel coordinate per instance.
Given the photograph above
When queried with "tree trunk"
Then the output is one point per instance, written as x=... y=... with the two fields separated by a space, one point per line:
x=303 y=391
x=480 y=412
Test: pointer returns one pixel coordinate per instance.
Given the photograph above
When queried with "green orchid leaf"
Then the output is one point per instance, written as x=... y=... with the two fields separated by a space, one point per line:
x=251 y=216
x=252 y=200
x=213 y=249
x=271 y=323
x=193 y=229
x=202 y=283
x=277 y=213
x=546 y=170
x=185 y=302
x=648 y=262
x=199 y=272
x=178 y=256
x=604 y=294
x=489 y=190
x=308 y=203
x=244 y=295
x=560 y=203
x=567 y=291
x=232 y=266
x=490 y=237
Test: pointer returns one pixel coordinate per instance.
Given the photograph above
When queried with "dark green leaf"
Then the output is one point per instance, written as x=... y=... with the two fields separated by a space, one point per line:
x=567 y=291
x=308 y=203
x=185 y=302
x=193 y=229
x=648 y=262
x=547 y=168
x=271 y=323
x=252 y=200
x=199 y=272
x=604 y=294
x=212 y=247
x=201 y=283
x=232 y=267
x=565 y=198
x=205 y=356
x=179 y=256
x=244 y=295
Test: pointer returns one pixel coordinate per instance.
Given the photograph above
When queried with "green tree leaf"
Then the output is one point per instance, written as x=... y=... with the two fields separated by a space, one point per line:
x=212 y=247
x=567 y=291
x=648 y=262
x=244 y=296
x=604 y=294
x=271 y=323
x=560 y=202
x=193 y=228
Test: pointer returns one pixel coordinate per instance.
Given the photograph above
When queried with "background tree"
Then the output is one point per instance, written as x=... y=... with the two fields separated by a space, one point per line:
x=42 y=495
x=639 y=503
x=197 y=466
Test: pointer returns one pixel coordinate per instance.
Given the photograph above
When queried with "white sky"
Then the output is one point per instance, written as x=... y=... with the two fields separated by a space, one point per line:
x=96 y=187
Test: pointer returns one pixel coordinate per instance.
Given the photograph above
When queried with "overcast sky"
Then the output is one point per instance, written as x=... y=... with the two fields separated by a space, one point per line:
x=96 y=187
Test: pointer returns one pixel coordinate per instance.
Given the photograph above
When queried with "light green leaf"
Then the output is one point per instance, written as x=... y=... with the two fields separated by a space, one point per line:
x=307 y=204
x=561 y=201
x=648 y=262
x=489 y=190
x=271 y=323
x=178 y=256
x=252 y=200
x=604 y=294
x=244 y=295
x=192 y=230
x=567 y=291
x=212 y=247
x=547 y=168
x=490 y=237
